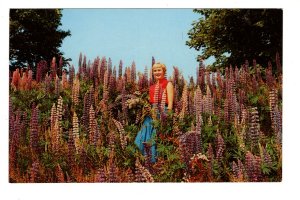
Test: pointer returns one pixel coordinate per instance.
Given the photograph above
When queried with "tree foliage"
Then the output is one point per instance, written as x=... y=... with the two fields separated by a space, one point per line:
x=34 y=35
x=234 y=35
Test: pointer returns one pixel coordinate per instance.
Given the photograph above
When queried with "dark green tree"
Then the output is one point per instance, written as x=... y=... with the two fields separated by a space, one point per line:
x=235 y=35
x=35 y=35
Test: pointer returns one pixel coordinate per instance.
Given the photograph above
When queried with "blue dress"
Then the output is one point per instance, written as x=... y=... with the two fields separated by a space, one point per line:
x=147 y=134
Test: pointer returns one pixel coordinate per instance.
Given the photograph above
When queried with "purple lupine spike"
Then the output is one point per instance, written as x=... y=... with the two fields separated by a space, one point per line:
x=103 y=68
x=83 y=67
x=124 y=107
x=184 y=101
x=235 y=170
x=148 y=155
x=100 y=176
x=71 y=74
x=275 y=114
x=34 y=172
x=57 y=85
x=219 y=79
x=133 y=72
x=112 y=83
x=241 y=167
x=153 y=61
x=53 y=116
x=253 y=134
x=226 y=110
x=71 y=149
x=47 y=83
x=34 y=128
x=11 y=118
x=191 y=107
x=105 y=86
x=207 y=79
x=143 y=174
x=109 y=67
x=183 y=149
x=41 y=70
x=175 y=76
x=249 y=165
x=236 y=74
x=53 y=68
x=257 y=171
x=80 y=60
x=112 y=178
x=95 y=71
x=121 y=132
x=120 y=69
x=220 y=148
x=267 y=158
x=86 y=107
x=254 y=83
x=92 y=126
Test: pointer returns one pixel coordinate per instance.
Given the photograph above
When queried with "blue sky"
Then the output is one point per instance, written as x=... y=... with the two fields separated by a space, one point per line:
x=131 y=35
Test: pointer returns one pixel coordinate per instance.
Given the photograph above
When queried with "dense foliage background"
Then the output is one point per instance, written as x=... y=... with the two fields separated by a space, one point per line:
x=234 y=35
x=34 y=35
x=81 y=127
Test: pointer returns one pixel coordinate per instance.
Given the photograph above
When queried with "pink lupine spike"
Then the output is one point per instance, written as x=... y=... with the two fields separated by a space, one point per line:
x=92 y=126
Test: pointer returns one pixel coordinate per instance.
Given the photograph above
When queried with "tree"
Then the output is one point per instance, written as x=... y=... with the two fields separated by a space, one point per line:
x=235 y=35
x=34 y=36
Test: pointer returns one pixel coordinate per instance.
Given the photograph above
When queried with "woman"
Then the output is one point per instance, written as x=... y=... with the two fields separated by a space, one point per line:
x=160 y=87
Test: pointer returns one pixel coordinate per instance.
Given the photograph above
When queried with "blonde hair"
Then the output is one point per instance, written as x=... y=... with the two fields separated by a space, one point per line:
x=163 y=66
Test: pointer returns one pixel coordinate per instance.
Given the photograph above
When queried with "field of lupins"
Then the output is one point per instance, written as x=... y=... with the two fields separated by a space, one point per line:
x=80 y=127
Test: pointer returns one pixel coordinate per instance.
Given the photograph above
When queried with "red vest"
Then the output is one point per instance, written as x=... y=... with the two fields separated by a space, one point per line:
x=162 y=87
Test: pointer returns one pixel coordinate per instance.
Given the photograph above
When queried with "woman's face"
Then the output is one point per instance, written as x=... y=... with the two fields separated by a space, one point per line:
x=158 y=73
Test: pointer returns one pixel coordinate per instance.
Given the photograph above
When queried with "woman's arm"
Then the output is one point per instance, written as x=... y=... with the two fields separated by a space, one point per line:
x=170 y=92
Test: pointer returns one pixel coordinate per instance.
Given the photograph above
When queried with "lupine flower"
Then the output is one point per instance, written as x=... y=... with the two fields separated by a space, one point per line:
x=76 y=132
x=100 y=176
x=59 y=174
x=143 y=173
x=16 y=79
x=253 y=134
x=253 y=167
x=57 y=85
x=92 y=126
x=220 y=147
x=80 y=60
x=103 y=67
x=273 y=101
x=153 y=61
x=41 y=70
x=34 y=128
x=34 y=172
x=133 y=72
x=59 y=112
x=75 y=91
x=105 y=86
x=120 y=69
x=71 y=149
x=184 y=100
x=122 y=133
